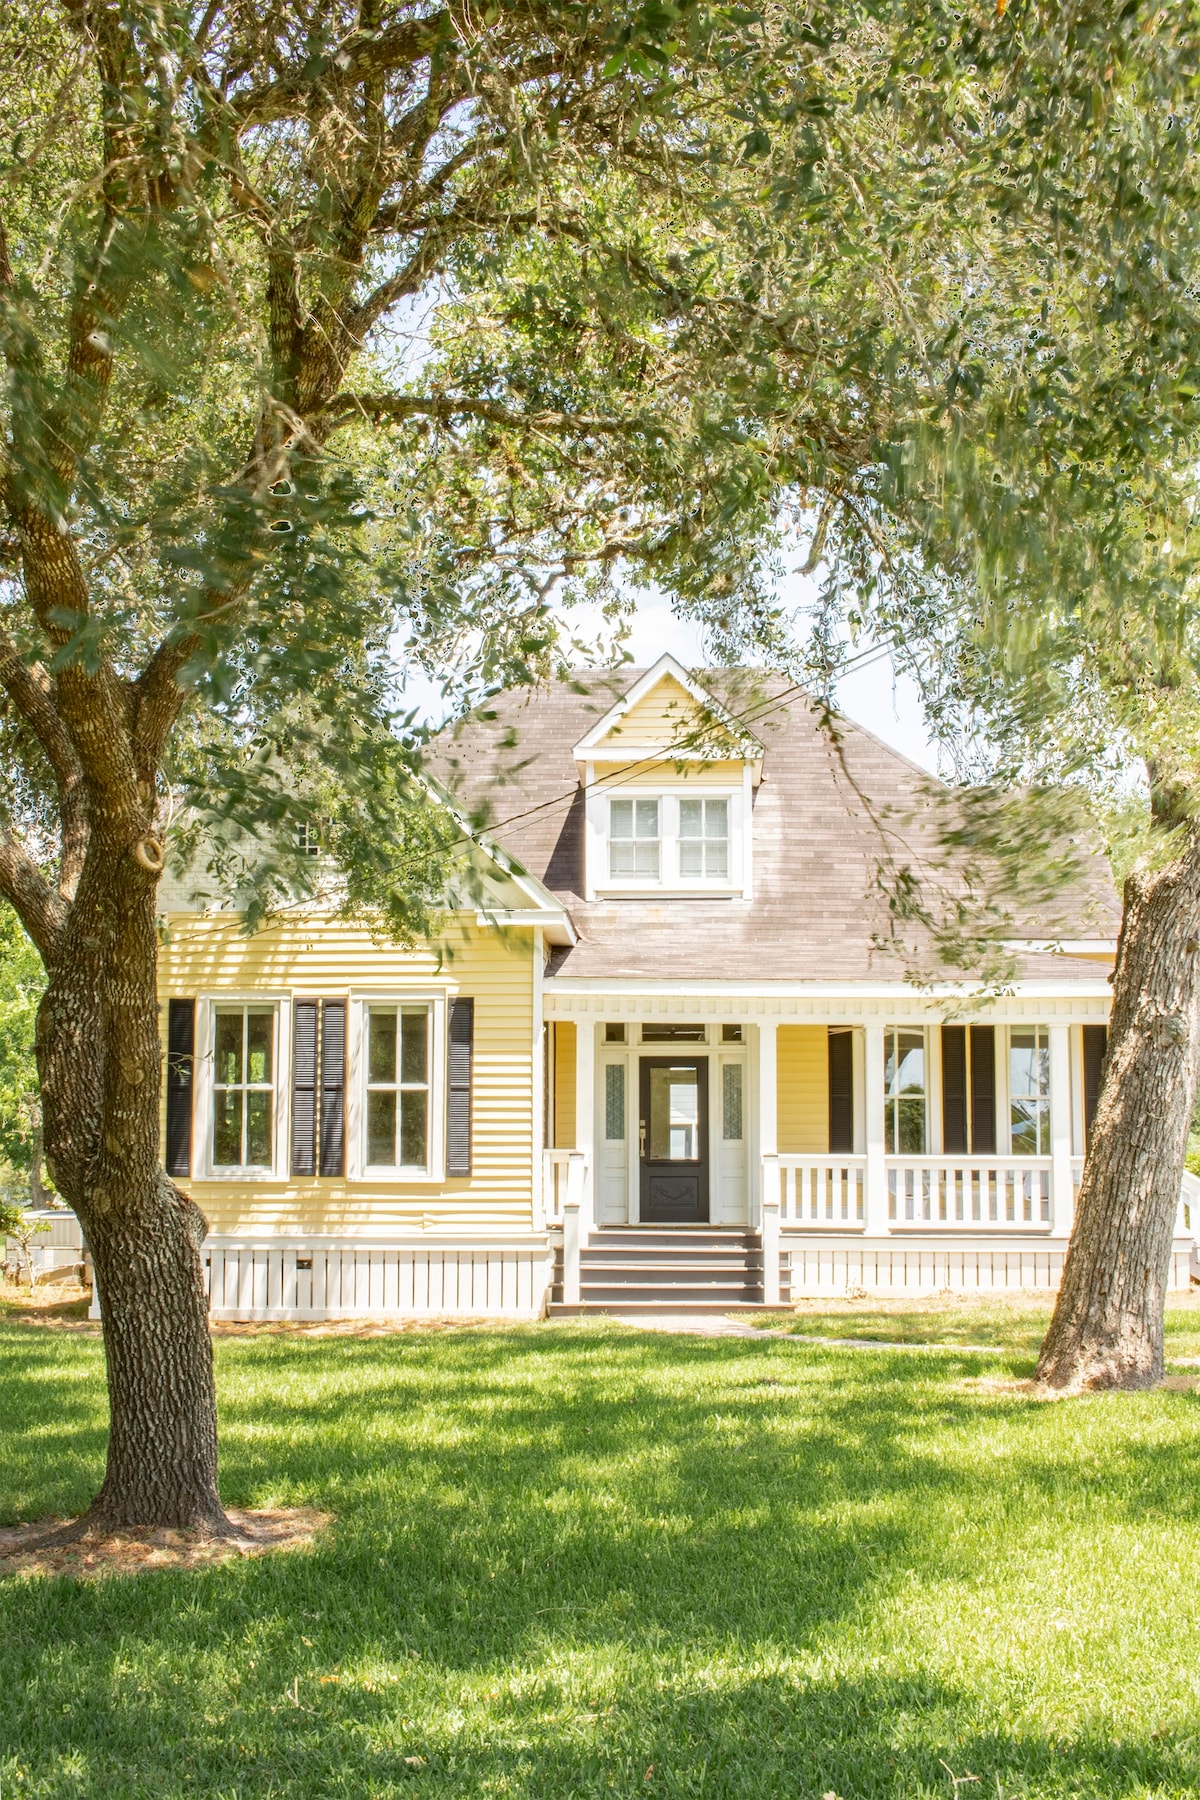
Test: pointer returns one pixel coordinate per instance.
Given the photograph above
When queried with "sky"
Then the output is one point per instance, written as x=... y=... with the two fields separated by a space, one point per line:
x=875 y=696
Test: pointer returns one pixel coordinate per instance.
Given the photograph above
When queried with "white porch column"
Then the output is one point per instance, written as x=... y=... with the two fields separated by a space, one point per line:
x=585 y=1118
x=770 y=1245
x=875 y=1197
x=768 y=1114
x=1062 y=1190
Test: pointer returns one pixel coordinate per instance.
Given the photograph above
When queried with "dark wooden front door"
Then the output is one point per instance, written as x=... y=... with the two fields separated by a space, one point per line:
x=673 y=1140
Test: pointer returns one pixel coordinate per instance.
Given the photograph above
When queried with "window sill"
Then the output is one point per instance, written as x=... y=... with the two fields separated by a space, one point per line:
x=652 y=890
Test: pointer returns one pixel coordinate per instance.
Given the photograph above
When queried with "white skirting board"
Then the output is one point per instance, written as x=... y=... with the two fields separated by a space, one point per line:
x=363 y=1280
x=813 y=1266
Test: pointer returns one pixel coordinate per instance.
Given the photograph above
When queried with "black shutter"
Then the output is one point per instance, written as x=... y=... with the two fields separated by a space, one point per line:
x=1095 y=1043
x=458 y=1087
x=333 y=1087
x=841 y=1093
x=304 y=1087
x=983 y=1090
x=954 y=1090
x=181 y=1062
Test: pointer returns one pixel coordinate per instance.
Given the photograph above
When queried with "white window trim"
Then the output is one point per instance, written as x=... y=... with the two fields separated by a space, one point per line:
x=357 y=1167
x=600 y=884
x=207 y=1006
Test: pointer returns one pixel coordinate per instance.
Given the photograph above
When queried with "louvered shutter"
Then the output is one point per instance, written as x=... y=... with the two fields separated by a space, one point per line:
x=458 y=1087
x=333 y=1087
x=304 y=1087
x=181 y=1063
x=841 y=1093
x=1095 y=1043
x=954 y=1090
x=983 y=1090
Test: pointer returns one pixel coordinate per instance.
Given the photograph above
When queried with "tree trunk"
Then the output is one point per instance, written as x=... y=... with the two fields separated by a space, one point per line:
x=100 y=1063
x=1107 y=1328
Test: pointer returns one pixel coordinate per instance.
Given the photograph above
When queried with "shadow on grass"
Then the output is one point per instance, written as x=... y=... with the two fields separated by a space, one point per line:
x=566 y=1558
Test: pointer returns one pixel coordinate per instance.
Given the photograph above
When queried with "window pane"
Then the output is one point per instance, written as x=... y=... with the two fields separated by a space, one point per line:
x=904 y=1071
x=614 y=1102
x=647 y=818
x=646 y=859
x=731 y=1103
x=227 y=1128
x=912 y=1127
x=260 y=1045
x=229 y=1049
x=258 y=1130
x=414 y=1034
x=620 y=818
x=716 y=819
x=718 y=860
x=690 y=818
x=381 y=1130
x=1029 y=1064
x=674 y=1115
x=381 y=1054
x=412 y=1129
x=691 y=856
x=622 y=860
x=1025 y=1128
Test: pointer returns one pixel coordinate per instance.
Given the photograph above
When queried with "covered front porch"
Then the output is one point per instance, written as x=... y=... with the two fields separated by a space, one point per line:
x=861 y=1140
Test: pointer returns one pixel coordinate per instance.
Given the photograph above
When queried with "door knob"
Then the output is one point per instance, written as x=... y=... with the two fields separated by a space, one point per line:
x=642 y=1138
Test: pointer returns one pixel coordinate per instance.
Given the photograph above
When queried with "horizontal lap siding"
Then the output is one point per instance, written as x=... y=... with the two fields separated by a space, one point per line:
x=665 y=715
x=564 y=1085
x=317 y=957
x=802 y=1089
x=665 y=775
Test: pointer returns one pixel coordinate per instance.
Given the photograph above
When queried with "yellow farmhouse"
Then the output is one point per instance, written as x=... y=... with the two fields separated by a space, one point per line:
x=664 y=1058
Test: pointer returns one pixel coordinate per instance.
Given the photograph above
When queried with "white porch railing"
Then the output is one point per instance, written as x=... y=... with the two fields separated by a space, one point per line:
x=555 y=1169
x=968 y=1190
x=817 y=1190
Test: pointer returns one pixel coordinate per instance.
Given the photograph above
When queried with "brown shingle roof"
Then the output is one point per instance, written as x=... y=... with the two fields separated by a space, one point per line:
x=826 y=820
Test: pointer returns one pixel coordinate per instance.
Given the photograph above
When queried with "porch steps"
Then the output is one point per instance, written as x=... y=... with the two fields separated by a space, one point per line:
x=644 y=1270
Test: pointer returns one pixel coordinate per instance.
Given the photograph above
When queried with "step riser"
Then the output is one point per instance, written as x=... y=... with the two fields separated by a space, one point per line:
x=650 y=1309
x=644 y=1296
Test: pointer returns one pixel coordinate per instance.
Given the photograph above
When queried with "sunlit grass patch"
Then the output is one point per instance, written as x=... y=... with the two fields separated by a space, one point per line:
x=592 y=1561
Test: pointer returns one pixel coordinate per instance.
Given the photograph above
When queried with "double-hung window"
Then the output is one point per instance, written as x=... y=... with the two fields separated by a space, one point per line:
x=704 y=840
x=904 y=1094
x=243 y=1134
x=634 y=844
x=1029 y=1091
x=397 y=1097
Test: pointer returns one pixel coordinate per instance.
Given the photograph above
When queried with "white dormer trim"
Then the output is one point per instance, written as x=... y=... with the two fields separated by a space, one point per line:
x=591 y=748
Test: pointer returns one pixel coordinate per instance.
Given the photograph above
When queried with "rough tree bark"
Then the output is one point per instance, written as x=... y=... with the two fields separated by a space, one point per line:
x=1107 y=1328
x=99 y=1058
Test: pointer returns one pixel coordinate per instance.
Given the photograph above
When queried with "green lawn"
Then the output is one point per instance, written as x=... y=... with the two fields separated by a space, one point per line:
x=584 y=1560
x=1016 y=1323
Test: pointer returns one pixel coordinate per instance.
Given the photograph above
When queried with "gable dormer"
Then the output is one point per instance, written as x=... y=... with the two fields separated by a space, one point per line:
x=668 y=775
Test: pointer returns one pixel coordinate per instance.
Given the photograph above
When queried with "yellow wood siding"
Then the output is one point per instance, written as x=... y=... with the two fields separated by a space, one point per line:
x=320 y=957
x=802 y=1089
x=661 y=776
x=564 y=1085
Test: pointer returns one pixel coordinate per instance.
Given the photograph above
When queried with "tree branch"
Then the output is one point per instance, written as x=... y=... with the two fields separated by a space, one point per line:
x=359 y=56
x=447 y=407
x=33 y=694
x=42 y=912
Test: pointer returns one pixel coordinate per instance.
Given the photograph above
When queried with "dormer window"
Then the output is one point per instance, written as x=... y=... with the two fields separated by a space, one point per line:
x=668 y=778
x=670 y=842
x=704 y=840
x=634 y=844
